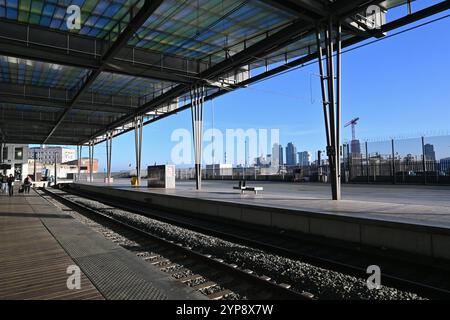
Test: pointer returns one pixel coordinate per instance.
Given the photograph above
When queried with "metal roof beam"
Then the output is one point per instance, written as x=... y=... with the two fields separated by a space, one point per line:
x=66 y=94
x=59 y=98
x=298 y=8
x=67 y=49
x=61 y=104
x=418 y=15
x=37 y=140
x=39 y=135
x=312 y=5
x=34 y=123
x=350 y=7
x=69 y=130
x=144 y=13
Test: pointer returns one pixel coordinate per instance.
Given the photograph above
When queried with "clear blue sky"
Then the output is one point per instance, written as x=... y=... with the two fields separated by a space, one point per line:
x=397 y=87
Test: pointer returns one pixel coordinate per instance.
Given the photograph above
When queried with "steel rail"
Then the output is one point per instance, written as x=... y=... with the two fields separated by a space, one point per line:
x=280 y=291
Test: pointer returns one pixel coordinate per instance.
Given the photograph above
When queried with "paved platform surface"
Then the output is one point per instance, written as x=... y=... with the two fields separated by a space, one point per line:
x=32 y=263
x=38 y=242
x=422 y=205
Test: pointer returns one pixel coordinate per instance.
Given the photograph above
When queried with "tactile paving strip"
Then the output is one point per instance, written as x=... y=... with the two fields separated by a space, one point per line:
x=103 y=263
x=114 y=271
x=116 y=280
x=107 y=266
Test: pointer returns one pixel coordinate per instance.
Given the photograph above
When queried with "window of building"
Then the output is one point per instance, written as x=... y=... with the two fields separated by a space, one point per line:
x=5 y=153
x=18 y=153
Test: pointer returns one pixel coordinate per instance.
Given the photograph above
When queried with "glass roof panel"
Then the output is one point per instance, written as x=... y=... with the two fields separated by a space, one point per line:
x=117 y=84
x=196 y=29
x=97 y=16
x=25 y=107
x=189 y=28
x=30 y=72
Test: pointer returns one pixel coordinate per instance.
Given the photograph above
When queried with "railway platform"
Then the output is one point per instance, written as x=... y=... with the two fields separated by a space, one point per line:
x=411 y=219
x=41 y=247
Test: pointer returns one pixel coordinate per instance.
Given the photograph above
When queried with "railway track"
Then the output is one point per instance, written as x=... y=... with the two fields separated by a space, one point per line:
x=396 y=272
x=209 y=275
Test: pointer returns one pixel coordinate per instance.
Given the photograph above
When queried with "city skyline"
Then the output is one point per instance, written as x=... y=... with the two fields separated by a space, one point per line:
x=304 y=156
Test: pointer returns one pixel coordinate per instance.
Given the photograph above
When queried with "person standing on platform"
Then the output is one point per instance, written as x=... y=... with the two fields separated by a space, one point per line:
x=10 y=182
x=26 y=185
x=3 y=183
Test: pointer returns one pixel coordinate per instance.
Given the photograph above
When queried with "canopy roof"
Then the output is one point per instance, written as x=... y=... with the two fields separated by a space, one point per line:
x=131 y=58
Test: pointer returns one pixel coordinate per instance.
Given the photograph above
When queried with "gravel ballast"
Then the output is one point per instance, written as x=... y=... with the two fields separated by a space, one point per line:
x=323 y=283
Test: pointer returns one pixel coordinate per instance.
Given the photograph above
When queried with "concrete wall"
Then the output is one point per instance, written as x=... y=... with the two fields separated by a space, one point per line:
x=428 y=241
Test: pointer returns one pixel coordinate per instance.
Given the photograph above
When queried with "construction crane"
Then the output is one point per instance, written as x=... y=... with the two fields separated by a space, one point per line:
x=353 y=123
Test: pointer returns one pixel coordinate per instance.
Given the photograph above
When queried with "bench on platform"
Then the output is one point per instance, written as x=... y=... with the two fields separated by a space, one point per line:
x=244 y=188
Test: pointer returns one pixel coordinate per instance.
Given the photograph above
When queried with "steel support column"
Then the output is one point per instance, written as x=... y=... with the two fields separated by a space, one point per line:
x=34 y=166
x=56 y=172
x=79 y=151
x=109 y=136
x=331 y=97
x=91 y=161
x=197 y=101
x=138 y=127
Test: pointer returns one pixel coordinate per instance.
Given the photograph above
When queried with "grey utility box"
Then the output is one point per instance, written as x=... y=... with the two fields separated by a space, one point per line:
x=162 y=176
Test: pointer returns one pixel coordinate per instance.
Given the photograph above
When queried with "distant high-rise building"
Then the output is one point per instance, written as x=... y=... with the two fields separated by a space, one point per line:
x=430 y=155
x=275 y=161
x=304 y=158
x=280 y=155
x=291 y=154
x=445 y=165
x=277 y=155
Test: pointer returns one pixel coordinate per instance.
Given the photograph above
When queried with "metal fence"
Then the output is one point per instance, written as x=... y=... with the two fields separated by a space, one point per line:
x=423 y=160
